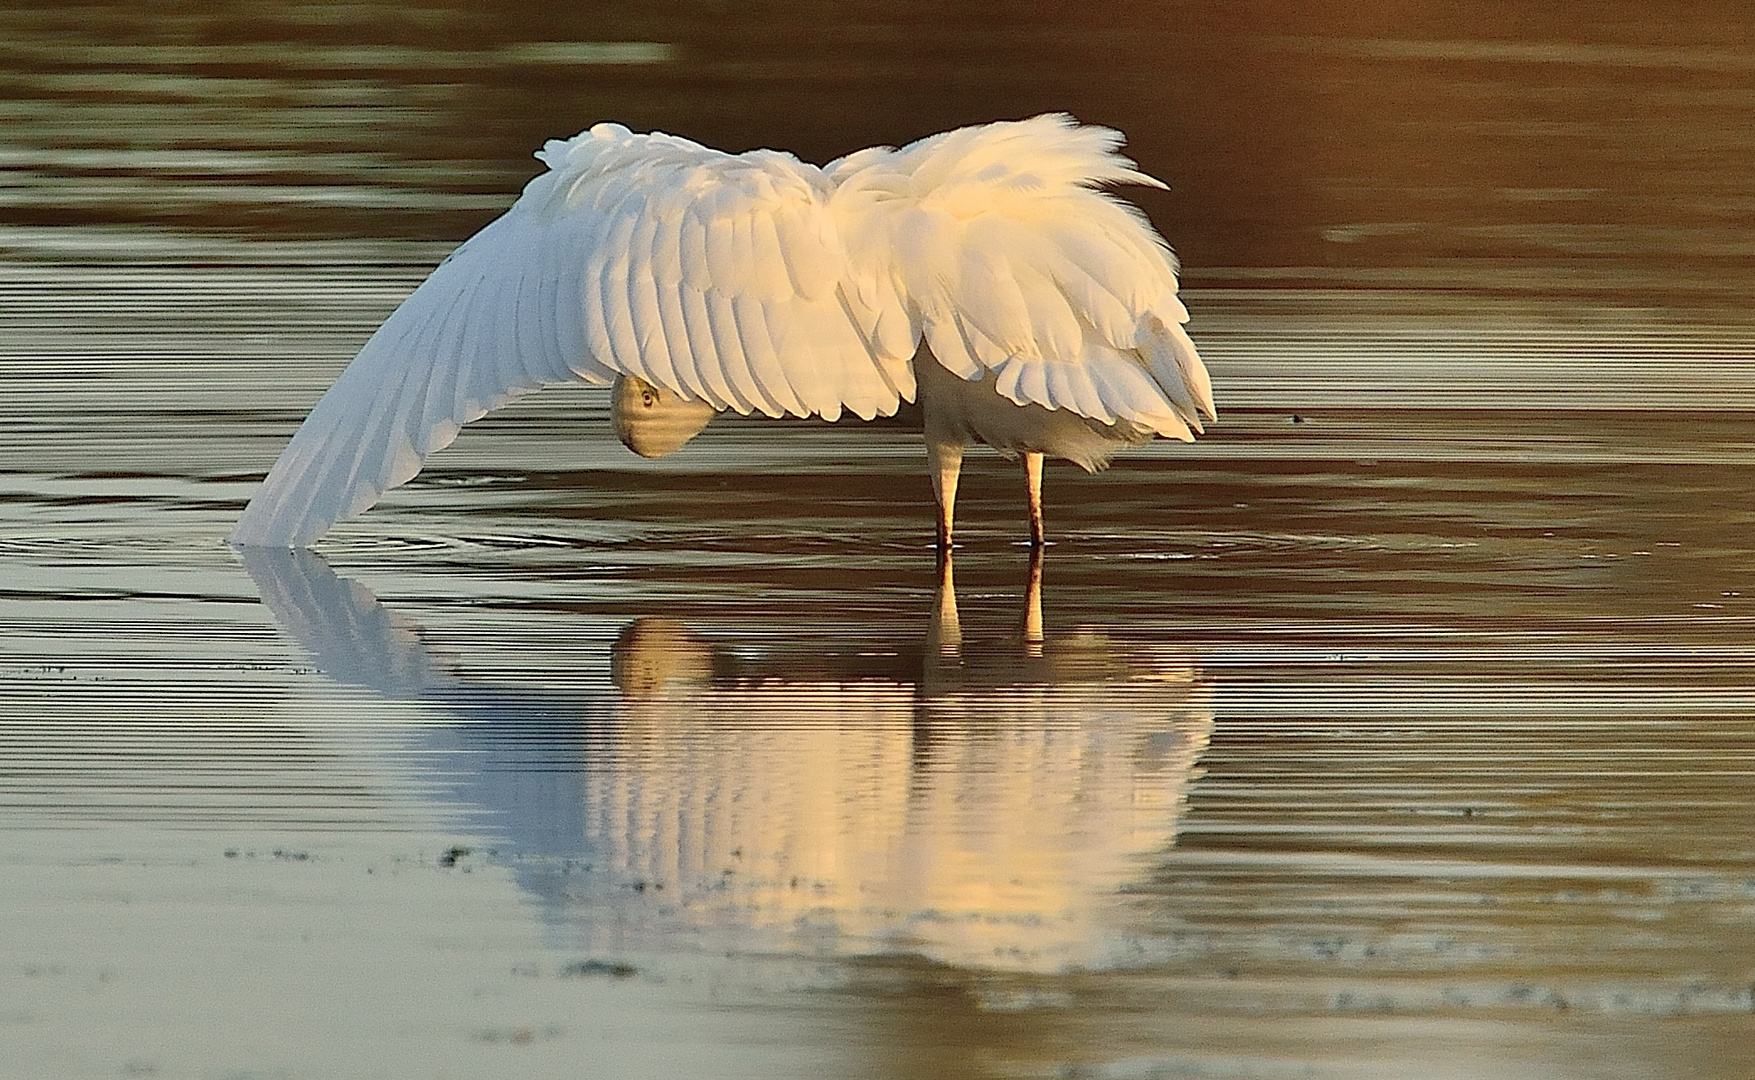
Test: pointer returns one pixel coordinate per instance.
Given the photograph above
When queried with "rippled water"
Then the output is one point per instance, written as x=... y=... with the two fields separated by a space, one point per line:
x=1402 y=727
x=1361 y=742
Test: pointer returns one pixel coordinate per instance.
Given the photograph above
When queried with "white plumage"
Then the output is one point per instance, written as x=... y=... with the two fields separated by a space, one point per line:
x=757 y=283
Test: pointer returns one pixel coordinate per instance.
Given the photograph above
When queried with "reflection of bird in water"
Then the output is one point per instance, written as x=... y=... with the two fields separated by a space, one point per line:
x=975 y=801
x=979 y=271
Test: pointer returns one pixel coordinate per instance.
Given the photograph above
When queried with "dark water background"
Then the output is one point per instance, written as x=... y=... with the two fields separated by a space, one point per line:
x=1402 y=727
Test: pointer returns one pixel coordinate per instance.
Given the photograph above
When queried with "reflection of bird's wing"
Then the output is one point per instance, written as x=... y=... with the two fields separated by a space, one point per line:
x=717 y=276
x=351 y=636
x=1013 y=263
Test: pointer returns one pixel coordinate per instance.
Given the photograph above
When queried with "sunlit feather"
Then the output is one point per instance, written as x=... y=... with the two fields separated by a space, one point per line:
x=757 y=283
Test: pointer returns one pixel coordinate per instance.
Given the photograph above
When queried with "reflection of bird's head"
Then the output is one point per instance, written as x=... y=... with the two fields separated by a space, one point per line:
x=654 y=655
x=652 y=421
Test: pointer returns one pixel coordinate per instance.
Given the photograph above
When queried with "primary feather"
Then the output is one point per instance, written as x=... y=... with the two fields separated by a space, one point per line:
x=756 y=283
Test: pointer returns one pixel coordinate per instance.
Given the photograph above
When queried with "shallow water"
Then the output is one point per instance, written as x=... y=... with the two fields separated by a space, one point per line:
x=1361 y=742
x=1404 y=726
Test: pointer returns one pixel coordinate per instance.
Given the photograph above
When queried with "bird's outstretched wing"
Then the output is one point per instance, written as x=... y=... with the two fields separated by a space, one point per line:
x=997 y=241
x=757 y=283
x=479 y=332
x=717 y=276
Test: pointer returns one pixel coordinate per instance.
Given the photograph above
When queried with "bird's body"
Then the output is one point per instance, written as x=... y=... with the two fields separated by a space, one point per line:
x=979 y=272
x=960 y=413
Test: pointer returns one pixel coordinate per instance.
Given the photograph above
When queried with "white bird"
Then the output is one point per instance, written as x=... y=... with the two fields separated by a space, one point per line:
x=982 y=271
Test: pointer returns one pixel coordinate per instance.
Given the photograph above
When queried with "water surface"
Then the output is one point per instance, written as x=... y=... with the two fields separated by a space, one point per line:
x=1402 y=726
x=1360 y=741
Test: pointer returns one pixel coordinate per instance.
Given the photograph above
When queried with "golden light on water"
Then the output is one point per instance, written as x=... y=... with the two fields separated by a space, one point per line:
x=1399 y=726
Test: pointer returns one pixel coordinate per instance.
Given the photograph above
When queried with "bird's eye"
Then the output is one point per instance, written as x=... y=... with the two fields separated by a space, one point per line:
x=648 y=398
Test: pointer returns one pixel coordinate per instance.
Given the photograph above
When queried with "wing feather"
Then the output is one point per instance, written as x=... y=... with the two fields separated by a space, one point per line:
x=1071 y=383
x=651 y=360
x=501 y=352
x=684 y=362
x=666 y=249
x=807 y=253
x=1033 y=384
x=1119 y=377
x=867 y=389
x=1105 y=311
x=948 y=345
x=571 y=349
x=544 y=356
x=758 y=345
x=740 y=369
x=767 y=259
x=1177 y=369
x=697 y=271
x=896 y=373
x=862 y=388
x=713 y=275
x=758 y=283
x=469 y=339
x=988 y=296
x=731 y=289
x=435 y=423
x=498 y=352
x=723 y=254
x=703 y=343
x=608 y=300
x=792 y=351
x=1018 y=265
x=374 y=457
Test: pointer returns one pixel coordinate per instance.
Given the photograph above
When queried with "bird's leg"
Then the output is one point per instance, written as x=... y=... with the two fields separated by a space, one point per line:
x=947 y=463
x=1033 y=487
x=1031 y=631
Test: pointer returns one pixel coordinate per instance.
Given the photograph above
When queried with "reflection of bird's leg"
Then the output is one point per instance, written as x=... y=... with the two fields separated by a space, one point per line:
x=1032 y=625
x=1033 y=485
x=946 y=635
x=947 y=462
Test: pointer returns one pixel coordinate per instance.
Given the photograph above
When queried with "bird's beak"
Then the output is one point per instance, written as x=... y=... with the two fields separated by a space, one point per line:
x=652 y=421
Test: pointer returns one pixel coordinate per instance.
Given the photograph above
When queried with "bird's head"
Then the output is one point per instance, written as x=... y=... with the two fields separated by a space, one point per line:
x=652 y=421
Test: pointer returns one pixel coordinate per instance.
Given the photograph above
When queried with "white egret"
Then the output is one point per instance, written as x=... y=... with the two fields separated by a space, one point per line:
x=982 y=271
